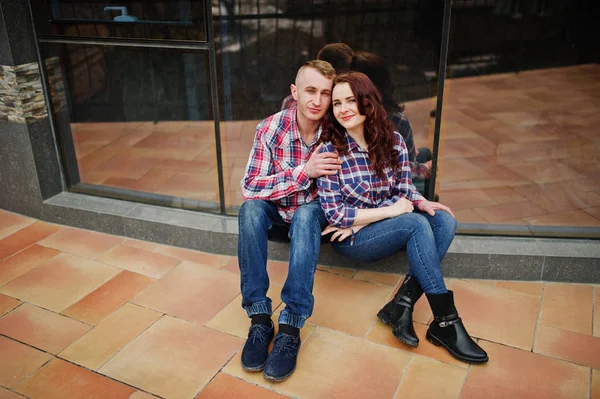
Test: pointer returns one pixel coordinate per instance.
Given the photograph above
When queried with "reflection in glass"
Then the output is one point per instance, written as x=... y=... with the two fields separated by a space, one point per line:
x=260 y=46
x=137 y=119
x=521 y=148
x=162 y=19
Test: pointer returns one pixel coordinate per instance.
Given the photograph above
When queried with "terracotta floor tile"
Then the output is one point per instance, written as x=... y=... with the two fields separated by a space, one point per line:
x=59 y=379
x=562 y=218
x=173 y=358
x=25 y=237
x=418 y=381
x=24 y=261
x=496 y=314
x=595 y=384
x=96 y=306
x=382 y=333
x=334 y=365
x=466 y=215
x=7 y=304
x=100 y=344
x=203 y=258
x=139 y=261
x=89 y=244
x=527 y=287
x=378 y=278
x=342 y=271
x=12 y=222
x=346 y=304
x=498 y=213
x=192 y=292
x=17 y=361
x=225 y=386
x=60 y=282
x=41 y=328
x=233 y=319
x=146 y=245
x=514 y=373
x=142 y=395
x=234 y=368
x=596 y=312
x=6 y=394
x=567 y=345
x=568 y=307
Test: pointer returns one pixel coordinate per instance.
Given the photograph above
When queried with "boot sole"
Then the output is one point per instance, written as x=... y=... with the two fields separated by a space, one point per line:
x=386 y=319
x=438 y=342
x=279 y=379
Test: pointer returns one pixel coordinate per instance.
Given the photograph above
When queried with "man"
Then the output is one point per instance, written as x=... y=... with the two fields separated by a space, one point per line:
x=278 y=189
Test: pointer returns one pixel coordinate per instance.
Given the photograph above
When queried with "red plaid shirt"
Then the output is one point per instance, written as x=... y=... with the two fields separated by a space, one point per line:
x=276 y=169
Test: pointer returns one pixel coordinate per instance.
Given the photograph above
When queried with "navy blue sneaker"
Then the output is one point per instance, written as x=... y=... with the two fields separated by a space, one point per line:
x=282 y=359
x=254 y=355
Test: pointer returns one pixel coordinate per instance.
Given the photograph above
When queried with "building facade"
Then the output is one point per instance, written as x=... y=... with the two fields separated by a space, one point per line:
x=136 y=118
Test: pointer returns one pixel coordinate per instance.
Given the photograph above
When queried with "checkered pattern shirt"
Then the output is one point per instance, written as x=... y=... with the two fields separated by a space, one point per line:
x=356 y=186
x=276 y=169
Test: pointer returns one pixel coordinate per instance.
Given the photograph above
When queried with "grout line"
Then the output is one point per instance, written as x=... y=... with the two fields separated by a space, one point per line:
x=543 y=267
x=591 y=383
x=594 y=310
x=403 y=374
x=466 y=375
x=537 y=320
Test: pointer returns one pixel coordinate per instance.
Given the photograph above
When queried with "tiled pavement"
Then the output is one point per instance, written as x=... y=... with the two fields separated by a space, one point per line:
x=519 y=149
x=89 y=315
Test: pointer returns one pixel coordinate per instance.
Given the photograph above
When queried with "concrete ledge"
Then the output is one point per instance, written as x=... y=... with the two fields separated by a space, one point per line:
x=489 y=257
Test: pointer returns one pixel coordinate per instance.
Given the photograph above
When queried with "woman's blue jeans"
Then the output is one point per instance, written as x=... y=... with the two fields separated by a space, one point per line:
x=255 y=220
x=426 y=239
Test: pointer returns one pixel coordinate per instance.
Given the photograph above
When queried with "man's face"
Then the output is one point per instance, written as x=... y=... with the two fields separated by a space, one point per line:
x=312 y=91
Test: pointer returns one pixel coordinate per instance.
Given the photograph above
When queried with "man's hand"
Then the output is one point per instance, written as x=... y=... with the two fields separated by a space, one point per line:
x=319 y=164
x=430 y=207
x=342 y=233
x=401 y=206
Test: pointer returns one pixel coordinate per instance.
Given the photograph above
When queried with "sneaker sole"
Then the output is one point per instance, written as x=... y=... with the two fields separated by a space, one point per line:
x=255 y=368
x=455 y=355
x=279 y=379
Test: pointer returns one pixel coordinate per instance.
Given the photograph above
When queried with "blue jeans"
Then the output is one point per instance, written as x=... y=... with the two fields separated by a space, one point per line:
x=256 y=218
x=426 y=239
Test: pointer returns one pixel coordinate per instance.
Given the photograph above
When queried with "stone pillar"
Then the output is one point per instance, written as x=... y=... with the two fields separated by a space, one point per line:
x=29 y=163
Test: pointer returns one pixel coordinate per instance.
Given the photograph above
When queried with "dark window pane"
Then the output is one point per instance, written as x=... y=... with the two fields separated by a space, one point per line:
x=163 y=19
x=136 y=119
x=520 y=144
x=261 y=44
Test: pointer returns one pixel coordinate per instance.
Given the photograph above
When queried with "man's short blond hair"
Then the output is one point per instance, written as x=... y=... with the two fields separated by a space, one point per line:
x=323 y=67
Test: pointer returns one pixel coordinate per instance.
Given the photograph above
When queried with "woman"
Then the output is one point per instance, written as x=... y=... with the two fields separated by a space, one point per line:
x=370 y=205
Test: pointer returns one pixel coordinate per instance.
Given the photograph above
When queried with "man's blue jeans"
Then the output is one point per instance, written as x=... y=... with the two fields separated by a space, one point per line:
x=256 y=218
x=426 y=239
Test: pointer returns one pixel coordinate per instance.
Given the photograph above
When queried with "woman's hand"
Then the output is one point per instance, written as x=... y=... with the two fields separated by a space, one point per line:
x=342 y=233
x=430 y=207
x=400 y=207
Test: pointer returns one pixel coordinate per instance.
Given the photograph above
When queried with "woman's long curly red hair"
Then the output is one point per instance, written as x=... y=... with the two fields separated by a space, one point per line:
x=379 y=133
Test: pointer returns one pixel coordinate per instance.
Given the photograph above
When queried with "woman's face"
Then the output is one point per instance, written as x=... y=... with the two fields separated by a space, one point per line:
x=345 y=108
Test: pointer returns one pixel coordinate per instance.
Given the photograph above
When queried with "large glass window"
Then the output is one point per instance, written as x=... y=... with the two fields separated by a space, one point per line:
x=520 y=145
x=260 y=46
x=137 y=119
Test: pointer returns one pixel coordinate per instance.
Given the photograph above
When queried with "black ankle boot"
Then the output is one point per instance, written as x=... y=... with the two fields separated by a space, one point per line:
x=398 y=312
x=447 y=330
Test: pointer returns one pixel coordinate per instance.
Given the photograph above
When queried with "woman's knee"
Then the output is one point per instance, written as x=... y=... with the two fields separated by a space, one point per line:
x=445 y=221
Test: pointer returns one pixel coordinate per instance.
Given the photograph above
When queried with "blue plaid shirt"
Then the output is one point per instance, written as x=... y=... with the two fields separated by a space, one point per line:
x=356 y=186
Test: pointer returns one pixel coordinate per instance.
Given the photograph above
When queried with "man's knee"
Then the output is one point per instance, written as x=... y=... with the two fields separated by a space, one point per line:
x=253 y=209
x=307 y=214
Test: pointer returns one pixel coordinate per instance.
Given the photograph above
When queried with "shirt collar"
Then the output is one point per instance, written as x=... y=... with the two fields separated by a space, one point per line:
x=294 y=133
x=353 y=145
